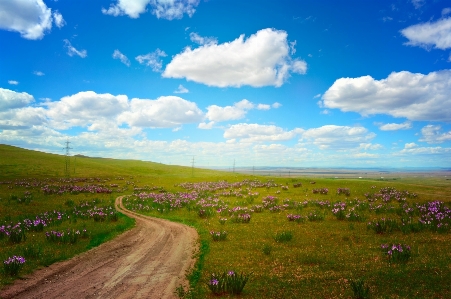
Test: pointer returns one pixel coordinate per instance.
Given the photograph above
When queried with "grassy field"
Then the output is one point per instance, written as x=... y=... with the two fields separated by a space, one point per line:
x=338 y=229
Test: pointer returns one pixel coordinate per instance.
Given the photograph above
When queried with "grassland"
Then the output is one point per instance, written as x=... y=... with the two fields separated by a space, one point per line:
x=320 y=260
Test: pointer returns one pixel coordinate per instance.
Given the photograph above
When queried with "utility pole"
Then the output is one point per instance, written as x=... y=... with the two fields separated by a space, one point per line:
x=67 y=168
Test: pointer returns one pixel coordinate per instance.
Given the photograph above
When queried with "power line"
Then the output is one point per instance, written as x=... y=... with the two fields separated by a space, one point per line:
x=67 y=160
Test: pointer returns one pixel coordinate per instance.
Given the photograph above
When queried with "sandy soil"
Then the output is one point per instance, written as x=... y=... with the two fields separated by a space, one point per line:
x=149 y=261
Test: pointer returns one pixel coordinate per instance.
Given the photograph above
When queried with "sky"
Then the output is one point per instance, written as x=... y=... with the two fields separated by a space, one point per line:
x=284 y=83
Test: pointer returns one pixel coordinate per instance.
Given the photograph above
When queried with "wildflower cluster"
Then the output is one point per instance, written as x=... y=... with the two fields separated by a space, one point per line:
x=296 y=218
x=218 y=236
x=344 y=191
x=339 y=210
x=228 y=282
x=435 y=215
x=68 y=236
x=241 y=218
x=397 y=252
x=320 y=191
x=12 y=265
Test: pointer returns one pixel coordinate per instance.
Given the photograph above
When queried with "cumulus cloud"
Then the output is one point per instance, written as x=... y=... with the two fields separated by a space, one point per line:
x=403 y=94
x=202 y=40
x=10 y=99
x=276 y=105
x=13 y=82
x=434 y=134
x=260 y=60
x=338 y=137
x=164 y=112
x=22 y=118
x=259 y=133
x=426 y=35
x=118 y=55
x=31 y=18
x=237 y=111
x=164 y=9
x=71 y=51
x=181 y=89
x=395 y=127
x=38 y=73
x=85 y=108
x=152 y=59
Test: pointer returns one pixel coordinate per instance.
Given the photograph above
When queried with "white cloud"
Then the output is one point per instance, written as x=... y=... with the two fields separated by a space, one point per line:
x=181 y=89
x=437 y=34
x=118 y=55
x=260 y=60
x=22 y=118
x=395 y=127
x=174 y=9
x=258 y=133
x=338 y=137
x=433 y=134
x=13 y=82
x=38 y=73
x=31 y=18
x=152 y=59
x=446 y=11
x=85 y=108
x=206 y=126
x=165 y=9
x=201 y=40
x=237 y=111
x=417 y=3
x=59 y=20
x=10 y=99
x=427 y=151
x=370 y=146
x=132 y=8
x=410 y=145
x=276 y=105
x=263 y=107
x=164 y=112
x=403 y=94
x=71 y=51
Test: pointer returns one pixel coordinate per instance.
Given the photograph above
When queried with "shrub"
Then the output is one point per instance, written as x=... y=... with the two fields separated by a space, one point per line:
x=283 y=236
x=359 y=289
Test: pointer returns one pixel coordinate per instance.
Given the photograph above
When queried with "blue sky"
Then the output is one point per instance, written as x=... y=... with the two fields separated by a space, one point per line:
x=255 y=83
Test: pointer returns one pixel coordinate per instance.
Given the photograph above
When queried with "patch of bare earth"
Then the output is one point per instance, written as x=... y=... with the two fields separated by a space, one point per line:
x=148 y=261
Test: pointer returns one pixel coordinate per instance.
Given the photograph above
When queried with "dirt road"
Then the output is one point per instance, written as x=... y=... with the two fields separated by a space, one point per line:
x=149 y=261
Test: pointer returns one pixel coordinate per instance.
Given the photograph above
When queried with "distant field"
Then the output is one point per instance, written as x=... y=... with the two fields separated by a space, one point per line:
x=337 y=233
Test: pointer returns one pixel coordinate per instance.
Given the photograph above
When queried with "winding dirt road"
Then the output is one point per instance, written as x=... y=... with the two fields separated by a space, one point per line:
x=148 y=261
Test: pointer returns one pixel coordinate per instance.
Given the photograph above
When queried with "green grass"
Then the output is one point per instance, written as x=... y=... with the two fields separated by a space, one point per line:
x=320 y=260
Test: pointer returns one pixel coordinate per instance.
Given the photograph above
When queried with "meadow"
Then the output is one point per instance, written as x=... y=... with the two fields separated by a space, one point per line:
x=260 y=237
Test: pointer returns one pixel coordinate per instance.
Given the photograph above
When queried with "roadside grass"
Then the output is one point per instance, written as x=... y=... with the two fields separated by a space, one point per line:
x=320 y=260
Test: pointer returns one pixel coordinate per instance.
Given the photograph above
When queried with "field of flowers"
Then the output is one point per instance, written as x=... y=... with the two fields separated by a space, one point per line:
x=289 y=238
x=259 y=237
x=46 y=220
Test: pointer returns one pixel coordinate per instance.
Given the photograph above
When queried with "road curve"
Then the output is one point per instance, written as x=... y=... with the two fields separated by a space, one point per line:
x=148 y=261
